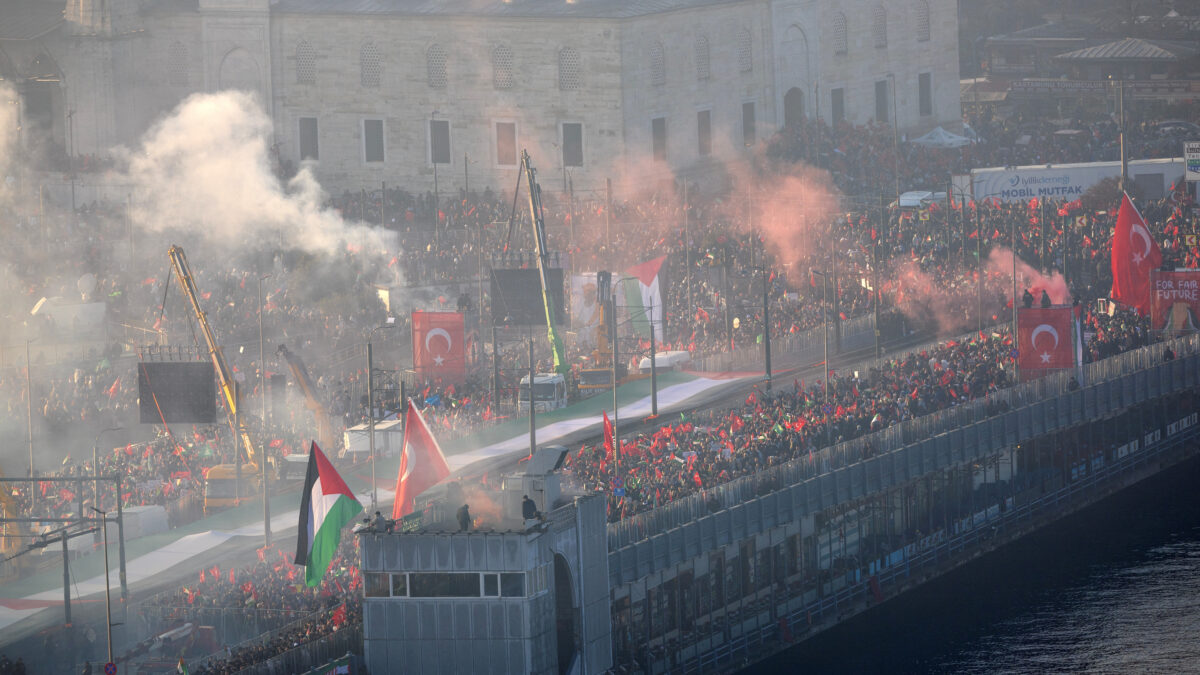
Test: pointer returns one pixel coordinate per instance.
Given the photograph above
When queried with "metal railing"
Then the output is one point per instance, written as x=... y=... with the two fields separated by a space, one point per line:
x=815 y=601
x=647 y=524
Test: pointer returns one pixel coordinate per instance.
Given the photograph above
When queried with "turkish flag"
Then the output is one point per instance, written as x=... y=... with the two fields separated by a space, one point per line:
x=1134 y=255
x=1045 y=340
x=422 y=464
x=439 y=345
x=608 y=436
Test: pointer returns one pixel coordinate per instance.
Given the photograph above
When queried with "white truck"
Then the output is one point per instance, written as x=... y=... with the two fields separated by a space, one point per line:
x=1068 y=182
x=549 y=392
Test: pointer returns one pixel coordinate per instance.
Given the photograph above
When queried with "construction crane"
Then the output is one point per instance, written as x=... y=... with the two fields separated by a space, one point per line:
x=325 y=437
x=221 y=485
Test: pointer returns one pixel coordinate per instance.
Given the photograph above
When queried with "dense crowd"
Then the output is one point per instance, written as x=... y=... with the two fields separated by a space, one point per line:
x=939 y=266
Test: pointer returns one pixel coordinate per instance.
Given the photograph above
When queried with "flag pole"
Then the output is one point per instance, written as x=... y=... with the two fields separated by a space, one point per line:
x=532 y=410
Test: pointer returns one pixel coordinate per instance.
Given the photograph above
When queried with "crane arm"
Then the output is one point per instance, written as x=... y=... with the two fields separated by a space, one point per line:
x=539 y=238
x=305 y=381
x=187 y=284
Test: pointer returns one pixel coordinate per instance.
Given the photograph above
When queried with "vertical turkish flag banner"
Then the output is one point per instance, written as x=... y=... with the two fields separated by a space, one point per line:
x=1134 y=255
x=1175 y=303
x=1046 y=340
x=439 y=346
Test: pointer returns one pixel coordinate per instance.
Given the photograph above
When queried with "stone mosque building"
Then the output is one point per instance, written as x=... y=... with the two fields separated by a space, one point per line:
x=396 y=90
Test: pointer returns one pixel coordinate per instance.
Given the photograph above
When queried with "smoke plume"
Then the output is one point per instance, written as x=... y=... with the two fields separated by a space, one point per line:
x=1000 y=263
x=206 y=168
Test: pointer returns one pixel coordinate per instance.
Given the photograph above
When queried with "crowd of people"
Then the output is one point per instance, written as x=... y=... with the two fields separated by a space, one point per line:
x=940 y=267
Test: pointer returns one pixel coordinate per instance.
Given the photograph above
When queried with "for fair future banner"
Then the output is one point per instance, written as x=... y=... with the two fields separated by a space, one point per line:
x=1175 y=300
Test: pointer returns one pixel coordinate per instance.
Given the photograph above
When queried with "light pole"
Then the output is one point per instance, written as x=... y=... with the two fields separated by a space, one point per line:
x=29 y=416
x=96 y=464
x=107 y=585
x=262 y=378
x=371 y=406
x=825 y=340
x=433 y=156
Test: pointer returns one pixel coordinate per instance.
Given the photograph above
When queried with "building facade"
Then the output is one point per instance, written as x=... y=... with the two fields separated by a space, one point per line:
x=403 y=92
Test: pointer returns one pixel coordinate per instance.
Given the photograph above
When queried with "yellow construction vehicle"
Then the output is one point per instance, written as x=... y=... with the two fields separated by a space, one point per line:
x=221 y=485
x=325 y=437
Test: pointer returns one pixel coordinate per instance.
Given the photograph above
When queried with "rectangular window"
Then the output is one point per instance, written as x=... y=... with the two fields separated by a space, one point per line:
x=308 y=138
x=749 y=133
x=512 y=585
x=491 y=585
x=373 y=140
x=658 y=138
x=506 y=143
x=881 y=101
x=376 y=584
x=925 y=94
x=439 y=141
x=444 y=585
x=837 y=98
x=704 y=132
x=572 y=137
x=399 y=585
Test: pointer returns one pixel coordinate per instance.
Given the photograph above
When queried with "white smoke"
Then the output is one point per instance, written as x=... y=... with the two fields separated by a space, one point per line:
x=206 y=168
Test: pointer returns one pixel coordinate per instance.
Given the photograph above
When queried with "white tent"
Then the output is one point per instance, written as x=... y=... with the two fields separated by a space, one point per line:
x=940 y=138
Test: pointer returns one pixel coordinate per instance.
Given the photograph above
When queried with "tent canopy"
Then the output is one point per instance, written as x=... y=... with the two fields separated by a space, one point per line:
x=940 y=138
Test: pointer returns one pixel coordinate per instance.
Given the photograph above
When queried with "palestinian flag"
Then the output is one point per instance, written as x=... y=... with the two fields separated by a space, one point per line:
x=326 y=505
x=643 y=297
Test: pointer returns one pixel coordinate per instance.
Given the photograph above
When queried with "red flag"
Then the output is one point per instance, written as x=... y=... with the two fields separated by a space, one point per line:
x=608 y=437
x=439 y=345
x=203 y=578
x=116 y=385
x=696 y=479
x=232 y=580
x=1045 y=340
x=1134 y=254
x=215 y=570
x=339 y=615
x=422 y=464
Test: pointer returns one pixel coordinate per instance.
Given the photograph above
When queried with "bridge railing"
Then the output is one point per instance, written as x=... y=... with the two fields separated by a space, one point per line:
x=656 y=521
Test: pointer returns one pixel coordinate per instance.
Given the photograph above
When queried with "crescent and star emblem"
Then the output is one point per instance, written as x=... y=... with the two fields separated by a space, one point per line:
x=1044 y=328
x=1141 y=231
x=439 y=332
x=407 y=461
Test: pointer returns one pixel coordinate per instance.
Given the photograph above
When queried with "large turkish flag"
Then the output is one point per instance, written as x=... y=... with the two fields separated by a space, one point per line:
x=439 y=346
x=1134 y=255
x=1046 y=340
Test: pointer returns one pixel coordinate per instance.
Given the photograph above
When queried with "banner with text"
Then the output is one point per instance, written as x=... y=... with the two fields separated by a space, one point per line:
x=1175 y=300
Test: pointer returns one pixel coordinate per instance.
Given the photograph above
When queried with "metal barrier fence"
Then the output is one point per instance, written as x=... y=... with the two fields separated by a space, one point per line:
x=233 y=625
x=348 y=639
x=889 y=440
x=265 y=636
x=756 y=629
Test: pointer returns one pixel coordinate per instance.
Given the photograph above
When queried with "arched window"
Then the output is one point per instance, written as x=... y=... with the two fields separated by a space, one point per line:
x=435 y=66
x=177 y=65
x=658 y=64
x=879 y=26
x=702 y=69
x=570 y=69
x=370 y=65
x=502 y=67
x=840 y=43
x=306 y=63
x=745 y=55
x=922 y=21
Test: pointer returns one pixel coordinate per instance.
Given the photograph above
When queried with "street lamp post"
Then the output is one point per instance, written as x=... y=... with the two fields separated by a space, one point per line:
x=262 y=378
x=895 y=137
x=371 y=407
x=434 y=158
x=29 y=416
x=825 y=341
x=107 y=585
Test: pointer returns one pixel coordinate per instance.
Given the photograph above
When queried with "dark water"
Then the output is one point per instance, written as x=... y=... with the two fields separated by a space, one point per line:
x=1115 y=589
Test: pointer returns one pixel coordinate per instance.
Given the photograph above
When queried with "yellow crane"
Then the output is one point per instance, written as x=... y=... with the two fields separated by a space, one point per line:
x=221 y=487
x=324 y=420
